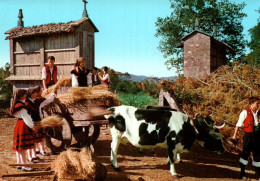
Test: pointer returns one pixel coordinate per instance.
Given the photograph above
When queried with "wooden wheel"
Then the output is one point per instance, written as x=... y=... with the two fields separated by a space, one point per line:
x=86 y=135
x=59 y=138
x=93 y=132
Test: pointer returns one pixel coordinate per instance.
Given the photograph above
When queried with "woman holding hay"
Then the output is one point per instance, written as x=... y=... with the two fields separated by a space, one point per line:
x=105 y=79
x=80 y=73
x=35 y=104
x=23 y=132
x=250 y=121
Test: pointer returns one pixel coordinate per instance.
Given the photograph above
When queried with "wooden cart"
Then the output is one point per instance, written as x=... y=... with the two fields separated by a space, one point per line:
x=78 y=123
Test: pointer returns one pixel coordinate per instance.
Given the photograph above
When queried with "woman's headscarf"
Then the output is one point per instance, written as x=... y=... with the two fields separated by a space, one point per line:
x=17 y=95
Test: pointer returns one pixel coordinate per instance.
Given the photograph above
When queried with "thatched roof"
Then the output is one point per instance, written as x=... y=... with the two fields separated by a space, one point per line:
x=19 y=31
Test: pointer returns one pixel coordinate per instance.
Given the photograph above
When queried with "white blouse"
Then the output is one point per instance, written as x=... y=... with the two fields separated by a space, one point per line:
x=75 y=83
x=242 y=118
x=74 y=80
x=45 y=103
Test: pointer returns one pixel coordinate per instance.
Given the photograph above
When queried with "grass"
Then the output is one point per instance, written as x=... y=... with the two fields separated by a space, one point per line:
x=137 y=100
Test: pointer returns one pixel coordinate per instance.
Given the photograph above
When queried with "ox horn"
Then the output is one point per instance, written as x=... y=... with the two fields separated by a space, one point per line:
x=219 y=127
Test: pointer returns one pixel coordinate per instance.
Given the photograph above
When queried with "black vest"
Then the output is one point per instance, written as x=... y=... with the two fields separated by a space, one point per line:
x=82 y=76
x=33 y=110
x=97 y=82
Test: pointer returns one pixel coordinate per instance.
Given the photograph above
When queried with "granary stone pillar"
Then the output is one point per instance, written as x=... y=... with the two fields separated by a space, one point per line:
x=20 y=16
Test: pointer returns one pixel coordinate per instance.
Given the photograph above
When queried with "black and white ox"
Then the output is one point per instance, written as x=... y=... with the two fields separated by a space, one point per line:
x=150 y=128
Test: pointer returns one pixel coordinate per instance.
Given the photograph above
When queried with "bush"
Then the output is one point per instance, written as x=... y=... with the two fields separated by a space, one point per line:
x=5 y=87
x=137 y=100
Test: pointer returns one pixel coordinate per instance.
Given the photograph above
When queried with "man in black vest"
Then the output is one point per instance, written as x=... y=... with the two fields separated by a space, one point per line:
x=95 y=80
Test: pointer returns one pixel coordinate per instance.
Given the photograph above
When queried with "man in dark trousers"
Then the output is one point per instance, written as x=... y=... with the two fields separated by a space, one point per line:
x=49 y=74
x=249 y=120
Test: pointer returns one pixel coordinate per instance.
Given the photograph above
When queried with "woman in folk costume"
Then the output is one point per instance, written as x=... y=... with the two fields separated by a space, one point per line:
x=80 y=73
x=23 y=132
x=105 y=79
x=35 y=104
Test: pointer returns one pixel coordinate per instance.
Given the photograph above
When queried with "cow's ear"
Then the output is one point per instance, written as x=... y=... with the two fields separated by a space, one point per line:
x=111 y=109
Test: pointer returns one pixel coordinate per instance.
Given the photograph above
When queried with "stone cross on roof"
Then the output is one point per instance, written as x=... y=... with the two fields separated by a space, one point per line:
x=85 y=14
x=197 y=24
x=20 y=16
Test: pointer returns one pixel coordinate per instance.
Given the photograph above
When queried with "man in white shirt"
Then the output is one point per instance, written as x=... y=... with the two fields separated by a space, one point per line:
x=49 y=74
x=249 y=120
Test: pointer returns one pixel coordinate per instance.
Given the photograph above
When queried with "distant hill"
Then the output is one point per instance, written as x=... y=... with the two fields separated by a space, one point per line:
x=140 y=78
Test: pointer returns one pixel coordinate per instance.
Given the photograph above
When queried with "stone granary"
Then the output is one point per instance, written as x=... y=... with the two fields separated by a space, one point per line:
x=203 y=53
x=30 y=47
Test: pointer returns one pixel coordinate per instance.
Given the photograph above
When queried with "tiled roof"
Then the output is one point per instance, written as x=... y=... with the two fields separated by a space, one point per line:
x=202 y=32
x=46 y=29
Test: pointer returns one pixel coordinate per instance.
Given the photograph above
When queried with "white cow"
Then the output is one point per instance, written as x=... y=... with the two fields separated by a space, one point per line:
x=150 y=128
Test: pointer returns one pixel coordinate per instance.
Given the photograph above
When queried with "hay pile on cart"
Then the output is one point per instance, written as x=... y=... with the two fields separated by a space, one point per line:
x=82 y=110
x=222 y=95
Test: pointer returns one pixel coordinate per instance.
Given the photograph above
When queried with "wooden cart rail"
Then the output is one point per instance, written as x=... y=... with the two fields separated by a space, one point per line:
x=88 y=123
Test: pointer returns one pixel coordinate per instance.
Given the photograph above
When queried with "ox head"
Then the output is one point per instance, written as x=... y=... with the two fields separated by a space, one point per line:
x=115 y=119
x=208 y=134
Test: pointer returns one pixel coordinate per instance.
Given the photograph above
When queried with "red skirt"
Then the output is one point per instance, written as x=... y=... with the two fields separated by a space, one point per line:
x=23 y=136
x=39 y=136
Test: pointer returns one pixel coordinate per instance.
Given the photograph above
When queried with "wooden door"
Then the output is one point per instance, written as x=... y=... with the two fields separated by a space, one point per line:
x=88 y=48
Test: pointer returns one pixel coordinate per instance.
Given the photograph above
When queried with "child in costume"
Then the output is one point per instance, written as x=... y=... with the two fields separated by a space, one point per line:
x=23 y=133
x=35 y=104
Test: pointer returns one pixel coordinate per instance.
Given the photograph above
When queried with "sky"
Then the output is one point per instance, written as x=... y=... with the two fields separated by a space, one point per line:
x=125 y=41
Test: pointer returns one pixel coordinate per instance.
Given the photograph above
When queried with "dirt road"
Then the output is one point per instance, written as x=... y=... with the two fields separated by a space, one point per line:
x=197 y=165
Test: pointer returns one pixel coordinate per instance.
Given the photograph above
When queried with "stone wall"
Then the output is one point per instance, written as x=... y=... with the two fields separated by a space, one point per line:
x=197 y=55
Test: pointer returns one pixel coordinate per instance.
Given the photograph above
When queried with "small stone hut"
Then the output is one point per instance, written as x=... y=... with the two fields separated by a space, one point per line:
x=203 y=53
x=30 y=47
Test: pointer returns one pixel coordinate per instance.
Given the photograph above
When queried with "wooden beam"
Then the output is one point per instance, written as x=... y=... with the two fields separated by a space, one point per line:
x=42 y=53
x=12 y=56
x=26 y=52
x=26 y=65
x=65 y=63
x=61 y=50
x=28 y=174
x=88 y=123
x=35 y=165
x=170 y=99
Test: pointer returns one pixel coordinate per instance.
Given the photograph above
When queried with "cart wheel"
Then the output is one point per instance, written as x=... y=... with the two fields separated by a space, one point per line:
x=59 y=138
x=93 y=132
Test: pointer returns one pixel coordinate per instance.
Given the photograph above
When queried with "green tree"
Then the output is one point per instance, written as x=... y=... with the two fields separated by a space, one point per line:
x=5 y=87
x=226 y=16
x=253 y=58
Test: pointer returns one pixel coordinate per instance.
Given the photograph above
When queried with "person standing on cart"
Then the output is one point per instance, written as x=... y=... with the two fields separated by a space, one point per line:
x=49 y=74
x=95 y=79
x=105 y=79
x=79 y=73
x=249 y=120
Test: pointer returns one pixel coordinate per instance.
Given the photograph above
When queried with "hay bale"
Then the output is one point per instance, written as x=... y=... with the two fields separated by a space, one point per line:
x=85 y=93
x=50 y=121
x=62 y=82
x=83 y=101
x=75 y=165
x=99 y=93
